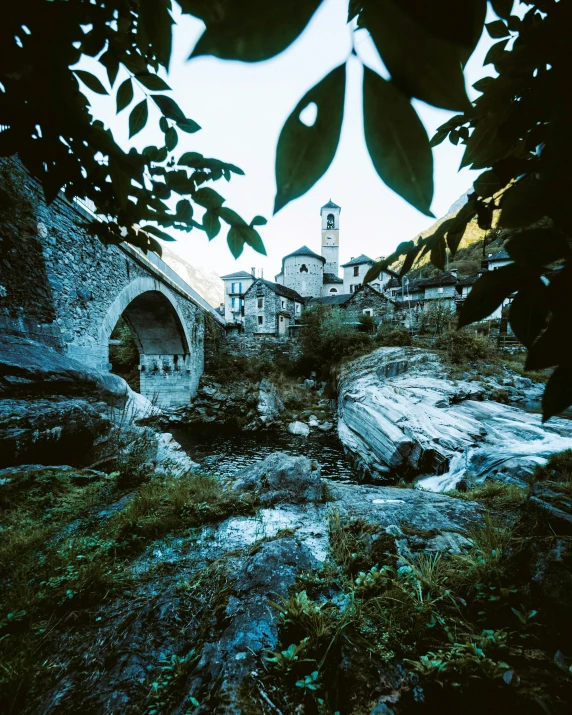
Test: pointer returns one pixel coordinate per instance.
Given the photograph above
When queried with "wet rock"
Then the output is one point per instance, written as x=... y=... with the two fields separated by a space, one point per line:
x=400 y=414
x=313 y=421
x=326 y=426
x=555 y=501
x=282 y=478
x=309 y=384
x=299 y=428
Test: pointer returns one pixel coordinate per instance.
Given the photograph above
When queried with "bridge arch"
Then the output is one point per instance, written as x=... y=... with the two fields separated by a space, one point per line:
x=160 y=331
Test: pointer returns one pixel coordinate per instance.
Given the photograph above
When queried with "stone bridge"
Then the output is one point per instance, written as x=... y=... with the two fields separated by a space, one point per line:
x=64 y=288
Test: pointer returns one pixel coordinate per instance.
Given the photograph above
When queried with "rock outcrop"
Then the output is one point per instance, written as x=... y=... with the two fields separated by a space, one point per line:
x=54 y=410
x=282 y=478
x=401 y=415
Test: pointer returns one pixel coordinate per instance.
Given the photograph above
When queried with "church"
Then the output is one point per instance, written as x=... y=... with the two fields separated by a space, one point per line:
x=261 y=307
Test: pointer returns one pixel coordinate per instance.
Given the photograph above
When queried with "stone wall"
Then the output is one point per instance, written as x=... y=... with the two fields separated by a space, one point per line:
x=368 y=298
x=267 y=346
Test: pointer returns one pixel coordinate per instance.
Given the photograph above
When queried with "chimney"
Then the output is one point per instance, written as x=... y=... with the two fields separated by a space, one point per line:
x=490 y=255
x=253 y=271
x=262 y=273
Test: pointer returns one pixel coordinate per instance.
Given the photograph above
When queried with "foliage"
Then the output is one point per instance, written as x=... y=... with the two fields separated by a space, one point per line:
x=517 y=131
x=327 y=339
x=392 y=337
x=558 y=468
x=496 y=495
x=463 y=346
x=438 y=318
x=47 y=119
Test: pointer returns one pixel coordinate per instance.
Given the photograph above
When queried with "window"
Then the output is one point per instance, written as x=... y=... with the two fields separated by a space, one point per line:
x=352 y=288
x=281 y=318
x=440 y=289
x=368 y=311
x=232 y=303
x=330 y=221
x=240 y=287
x=356 y=270
x=303 y=268
x=333 y=290
x=283 y=304
x=297 y=307
x=260 y=320
x=260 y=302
x=375 y=285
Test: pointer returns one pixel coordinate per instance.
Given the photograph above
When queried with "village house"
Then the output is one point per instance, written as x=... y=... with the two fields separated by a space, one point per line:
x=235 y=287
x=270 y=308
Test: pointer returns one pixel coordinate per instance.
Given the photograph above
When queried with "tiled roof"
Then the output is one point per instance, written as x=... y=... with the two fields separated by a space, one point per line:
x=501 y=255
x=238 y=274
x=358 y=261
x=443 y=279
x=279 y=290
x=331 y=205
x=304 y=251
x=332 y=278
x=338 y=299
x=413 y=285
x=468 y=280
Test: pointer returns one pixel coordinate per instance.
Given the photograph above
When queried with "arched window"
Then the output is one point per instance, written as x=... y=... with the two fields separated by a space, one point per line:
x=303 y=268
x=333 y=290
x=330 y=221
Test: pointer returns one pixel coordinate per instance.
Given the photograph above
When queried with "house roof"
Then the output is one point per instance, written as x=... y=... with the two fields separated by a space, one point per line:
x=443 y=279
x=278 y=289
x=501 y=255
x=468 y=280
x=337 y=299
x=413 y=285
x=360 y=260
x=304 y=251
x=331 y=205
x=238 y=274
x=332 y=278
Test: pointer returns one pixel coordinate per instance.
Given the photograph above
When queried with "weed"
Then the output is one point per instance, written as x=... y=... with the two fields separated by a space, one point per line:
x=558 y=468
x=494 y=494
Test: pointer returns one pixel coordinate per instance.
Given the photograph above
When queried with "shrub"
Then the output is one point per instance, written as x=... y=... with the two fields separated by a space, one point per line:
x=463 y=346
x=392 y=337
x=327 y=340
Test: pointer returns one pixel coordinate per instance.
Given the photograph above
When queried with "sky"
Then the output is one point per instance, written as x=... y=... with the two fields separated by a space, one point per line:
x=242 y=107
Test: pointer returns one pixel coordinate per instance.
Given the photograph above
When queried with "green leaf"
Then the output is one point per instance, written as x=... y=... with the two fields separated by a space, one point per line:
x=191 y=158
x=211 y=224
x=427 y=66
x=409 y=261
x=184 y=211
x=524 y=203
x=152 y=82
x=483 y=84
x=253 y=30
x=550 y=349
x=503 y=8
x=537 y=247
x=487 y=184
x=397 y=142
x=558 y=392
x=169 y=107
x=138 y=118
x=157 y=232
x=439 y=253
x=497 y=29
x=529 y=311
x=495 y=52
x=171 y=138
x=208 y=198
x=179 y=181
x=109 y=60
x=154 y=24
x=489 y=292
x=239 y=235
x=188 y=125
x=258 y=221
x=91 y=81
x=124 y=95
x=231 y=217
x=304 y=153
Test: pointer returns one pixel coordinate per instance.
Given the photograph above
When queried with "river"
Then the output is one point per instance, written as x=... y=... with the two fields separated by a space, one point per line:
x=225 y=452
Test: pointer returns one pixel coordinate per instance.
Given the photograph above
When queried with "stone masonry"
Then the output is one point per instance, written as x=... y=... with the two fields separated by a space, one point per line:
x=64 y=288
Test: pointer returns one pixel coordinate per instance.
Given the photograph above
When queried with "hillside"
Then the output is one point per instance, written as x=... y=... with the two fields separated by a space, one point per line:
x=470 y=253
x=205 y=281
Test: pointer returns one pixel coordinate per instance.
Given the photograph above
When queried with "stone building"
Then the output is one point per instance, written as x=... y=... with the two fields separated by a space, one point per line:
x=270 y=308
x=235 y=286
x=365 y=300
x=354 y=273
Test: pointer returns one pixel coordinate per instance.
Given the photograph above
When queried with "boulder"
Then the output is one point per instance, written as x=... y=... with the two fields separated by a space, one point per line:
x=270 y=406
x=299 y=428
x=282 y=478
x=401 y=415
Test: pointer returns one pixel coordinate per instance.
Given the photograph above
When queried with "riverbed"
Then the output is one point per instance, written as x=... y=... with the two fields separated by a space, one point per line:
x=225 y=452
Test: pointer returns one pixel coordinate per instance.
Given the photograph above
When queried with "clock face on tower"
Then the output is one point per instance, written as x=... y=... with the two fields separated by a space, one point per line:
x=330 y=238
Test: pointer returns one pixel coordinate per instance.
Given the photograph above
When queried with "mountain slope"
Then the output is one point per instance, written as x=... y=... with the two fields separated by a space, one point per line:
x=205 y=281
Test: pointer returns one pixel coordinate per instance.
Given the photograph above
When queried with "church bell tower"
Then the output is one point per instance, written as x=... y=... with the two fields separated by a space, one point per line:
x=330 y=214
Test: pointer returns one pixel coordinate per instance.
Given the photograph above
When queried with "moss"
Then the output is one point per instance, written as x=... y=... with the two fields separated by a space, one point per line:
x=558 y=468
